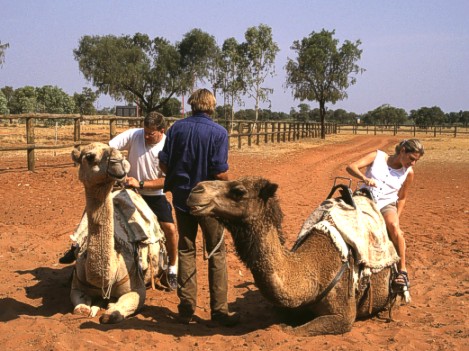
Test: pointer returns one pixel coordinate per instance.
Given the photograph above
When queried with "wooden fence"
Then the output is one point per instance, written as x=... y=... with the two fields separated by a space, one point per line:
x=247 y=131
x=403 y=129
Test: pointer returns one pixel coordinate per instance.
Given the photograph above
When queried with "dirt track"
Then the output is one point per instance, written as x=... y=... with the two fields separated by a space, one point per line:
x=39 y=210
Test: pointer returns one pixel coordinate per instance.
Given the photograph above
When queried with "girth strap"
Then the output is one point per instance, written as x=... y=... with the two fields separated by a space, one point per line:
x=332 y=283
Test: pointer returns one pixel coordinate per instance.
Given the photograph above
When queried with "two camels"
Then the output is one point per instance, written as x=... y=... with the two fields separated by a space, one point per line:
x=123 y=242
x=300 y=280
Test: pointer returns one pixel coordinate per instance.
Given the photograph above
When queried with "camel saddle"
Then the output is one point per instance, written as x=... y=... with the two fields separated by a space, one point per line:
x=360 y=225
x=134 y=222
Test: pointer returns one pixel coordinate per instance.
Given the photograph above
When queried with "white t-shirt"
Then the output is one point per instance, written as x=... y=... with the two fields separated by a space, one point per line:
x=143 y=159
x=388 y=180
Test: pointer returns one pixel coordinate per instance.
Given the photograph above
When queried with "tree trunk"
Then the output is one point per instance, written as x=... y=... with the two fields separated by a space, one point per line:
x=322 y=115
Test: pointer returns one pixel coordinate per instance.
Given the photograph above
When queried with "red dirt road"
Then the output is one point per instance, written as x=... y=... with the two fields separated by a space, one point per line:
x=39 y=210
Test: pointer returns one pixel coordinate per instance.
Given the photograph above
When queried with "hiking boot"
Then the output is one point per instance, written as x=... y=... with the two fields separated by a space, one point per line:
x=184 y=318
x=229 y=319
x=172 y=280
x=69 y=256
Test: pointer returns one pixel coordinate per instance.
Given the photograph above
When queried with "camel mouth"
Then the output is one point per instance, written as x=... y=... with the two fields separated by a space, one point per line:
x=199 y=210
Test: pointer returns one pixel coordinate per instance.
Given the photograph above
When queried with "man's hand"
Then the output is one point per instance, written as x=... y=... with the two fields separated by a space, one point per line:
x=131 y=182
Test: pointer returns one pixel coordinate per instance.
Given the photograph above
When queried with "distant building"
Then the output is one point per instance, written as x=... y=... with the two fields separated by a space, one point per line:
x=127 y=111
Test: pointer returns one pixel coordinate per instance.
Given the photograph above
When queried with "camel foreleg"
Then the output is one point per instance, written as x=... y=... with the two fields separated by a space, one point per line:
x=329 y=324
x=125 y=306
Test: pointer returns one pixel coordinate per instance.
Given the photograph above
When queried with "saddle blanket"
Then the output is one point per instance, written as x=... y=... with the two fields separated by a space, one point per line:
x=362 y=228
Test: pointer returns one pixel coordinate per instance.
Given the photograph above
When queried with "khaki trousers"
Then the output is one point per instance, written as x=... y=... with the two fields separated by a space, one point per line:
x=212 y=231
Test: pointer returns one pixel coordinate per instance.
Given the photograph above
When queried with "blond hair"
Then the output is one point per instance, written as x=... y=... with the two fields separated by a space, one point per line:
x=410 y=146
x=202 y=100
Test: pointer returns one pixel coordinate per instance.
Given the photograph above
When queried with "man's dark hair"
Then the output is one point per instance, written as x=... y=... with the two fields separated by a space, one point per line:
x=155 y=120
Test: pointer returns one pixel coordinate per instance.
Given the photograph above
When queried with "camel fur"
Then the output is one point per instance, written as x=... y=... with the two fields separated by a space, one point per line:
x=293 y=280
x=123 y=241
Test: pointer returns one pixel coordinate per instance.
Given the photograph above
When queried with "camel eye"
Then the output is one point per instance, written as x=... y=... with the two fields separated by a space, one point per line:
x=237 y=192
x=90 y=157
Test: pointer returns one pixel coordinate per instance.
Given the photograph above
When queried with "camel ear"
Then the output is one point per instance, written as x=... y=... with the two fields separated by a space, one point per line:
x=76 y=155
x=268 y=191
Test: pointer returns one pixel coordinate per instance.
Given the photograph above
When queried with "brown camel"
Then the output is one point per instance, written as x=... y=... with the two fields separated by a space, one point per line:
x=116 y=264
x=296 y=280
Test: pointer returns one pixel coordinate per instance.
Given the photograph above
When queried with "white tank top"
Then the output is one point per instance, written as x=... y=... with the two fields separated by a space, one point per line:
x=388 y=180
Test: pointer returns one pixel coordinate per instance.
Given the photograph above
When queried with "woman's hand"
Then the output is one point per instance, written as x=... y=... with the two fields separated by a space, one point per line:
x=369 y=181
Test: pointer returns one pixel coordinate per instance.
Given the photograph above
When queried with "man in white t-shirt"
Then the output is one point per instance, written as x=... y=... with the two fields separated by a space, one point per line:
x=143 y=146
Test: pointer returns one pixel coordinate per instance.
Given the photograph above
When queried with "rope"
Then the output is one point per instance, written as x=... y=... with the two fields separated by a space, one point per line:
x=215 y=248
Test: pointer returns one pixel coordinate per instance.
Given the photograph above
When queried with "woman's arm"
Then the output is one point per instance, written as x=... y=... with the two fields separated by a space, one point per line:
x=402 y=194
x=354 y=168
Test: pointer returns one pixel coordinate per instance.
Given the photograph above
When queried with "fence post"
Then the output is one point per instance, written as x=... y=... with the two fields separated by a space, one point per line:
x=414 y=130
x=250 y=133
x=266 y=136
x=434 y=131
x=30 y=140
x=258 y=131
x=240 y=130
x=455 y=131
x=76 y=129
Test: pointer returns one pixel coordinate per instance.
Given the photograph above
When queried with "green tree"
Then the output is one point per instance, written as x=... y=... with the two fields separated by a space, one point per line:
x=322 y=71
x=3 y=104
x=172 y=108
x=84 y=102
x=232 y=70
x=260 y=51
x=427 y=116
x=8 y=92
x=303 y=113
x=134 y=69
x=24 y=100
x=464 y=119
x=387 y=115
x=3 y=48
x=52 y=99
x=198 y=52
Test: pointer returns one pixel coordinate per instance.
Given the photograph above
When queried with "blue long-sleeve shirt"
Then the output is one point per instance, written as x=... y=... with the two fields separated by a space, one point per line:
x=196 y=149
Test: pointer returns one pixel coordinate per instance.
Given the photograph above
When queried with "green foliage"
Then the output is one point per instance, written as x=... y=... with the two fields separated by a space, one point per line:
x=54 y=100
x=3 y=104
x=427 y=116
x=131 y=68
x=24 y=100
x=322 y=71
x=84 y=102
x=3 y=47
x=387 y=115
x=172 y=108
x=198 y=52
x=260 y=51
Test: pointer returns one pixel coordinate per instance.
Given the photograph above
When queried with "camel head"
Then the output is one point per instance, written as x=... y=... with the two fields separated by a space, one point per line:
x=240 y=199
x=99 y=164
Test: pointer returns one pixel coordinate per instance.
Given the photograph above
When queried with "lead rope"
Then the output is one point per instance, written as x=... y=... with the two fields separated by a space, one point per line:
x=215 y=248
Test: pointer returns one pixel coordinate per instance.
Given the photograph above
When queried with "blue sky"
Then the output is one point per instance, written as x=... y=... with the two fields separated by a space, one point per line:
x=416 y=53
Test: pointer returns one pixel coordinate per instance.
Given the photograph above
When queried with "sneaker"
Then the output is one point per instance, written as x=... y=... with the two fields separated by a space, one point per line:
x=229 y=319
x=172 y=280
x=69 y=256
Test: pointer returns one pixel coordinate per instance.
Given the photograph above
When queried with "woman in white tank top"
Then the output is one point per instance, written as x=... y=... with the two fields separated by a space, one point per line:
x=388 y=177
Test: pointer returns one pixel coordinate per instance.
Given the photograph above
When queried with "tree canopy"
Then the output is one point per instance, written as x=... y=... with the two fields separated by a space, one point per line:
x=260 y=51
x=3 y=47
x=322 y=71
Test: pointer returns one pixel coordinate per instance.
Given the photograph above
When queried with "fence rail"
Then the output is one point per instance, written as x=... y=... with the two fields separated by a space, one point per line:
x=247 y=131
x=403 y=129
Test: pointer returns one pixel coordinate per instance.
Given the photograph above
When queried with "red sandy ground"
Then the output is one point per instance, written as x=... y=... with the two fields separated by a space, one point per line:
x=38 y=211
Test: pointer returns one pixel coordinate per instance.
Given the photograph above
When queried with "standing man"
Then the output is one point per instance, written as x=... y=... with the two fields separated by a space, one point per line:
x=196 y=149
x=143 y=146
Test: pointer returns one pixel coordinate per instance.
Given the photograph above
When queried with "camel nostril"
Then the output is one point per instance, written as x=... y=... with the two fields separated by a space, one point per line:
x=198 y=189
